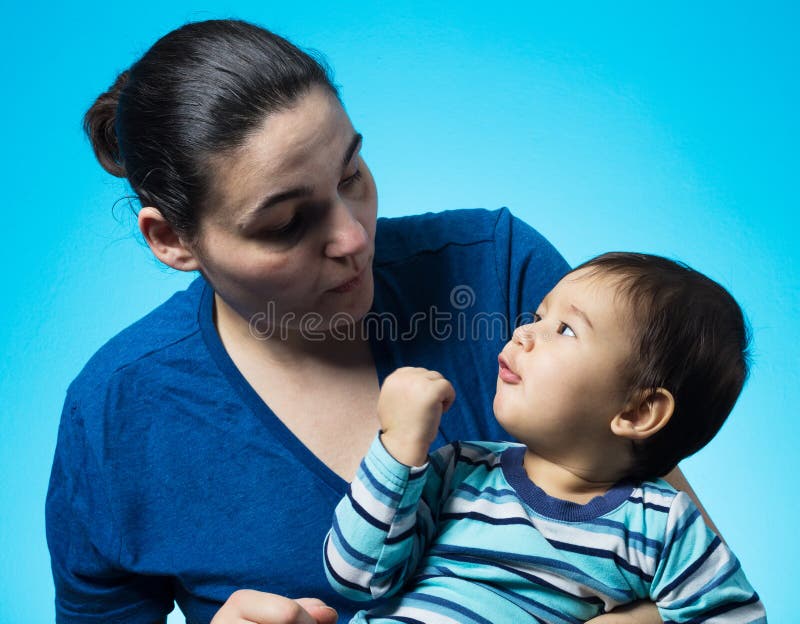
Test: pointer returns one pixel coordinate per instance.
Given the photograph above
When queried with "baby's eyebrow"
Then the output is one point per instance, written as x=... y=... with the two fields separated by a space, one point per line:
x=582 y=314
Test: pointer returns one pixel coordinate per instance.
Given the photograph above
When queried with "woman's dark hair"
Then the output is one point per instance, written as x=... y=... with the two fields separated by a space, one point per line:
x=197 y=92
x=690 y=338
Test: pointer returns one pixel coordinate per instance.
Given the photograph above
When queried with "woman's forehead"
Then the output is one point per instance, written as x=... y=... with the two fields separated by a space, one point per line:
x=286 y=139
x=290 y=147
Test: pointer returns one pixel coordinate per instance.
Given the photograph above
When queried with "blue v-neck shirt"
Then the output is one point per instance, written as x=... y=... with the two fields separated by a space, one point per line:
x=172 y=479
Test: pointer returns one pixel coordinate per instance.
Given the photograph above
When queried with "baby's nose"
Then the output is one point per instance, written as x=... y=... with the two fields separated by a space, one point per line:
x=524 y=336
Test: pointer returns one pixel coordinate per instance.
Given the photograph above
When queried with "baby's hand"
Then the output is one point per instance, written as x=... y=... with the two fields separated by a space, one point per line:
x=410 y=407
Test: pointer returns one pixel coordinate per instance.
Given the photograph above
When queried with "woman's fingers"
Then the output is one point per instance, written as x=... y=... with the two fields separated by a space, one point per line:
x=321 y=612
x=248 y=606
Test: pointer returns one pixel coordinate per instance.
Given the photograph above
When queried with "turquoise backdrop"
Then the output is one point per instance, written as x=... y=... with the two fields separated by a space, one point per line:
x=663 y=127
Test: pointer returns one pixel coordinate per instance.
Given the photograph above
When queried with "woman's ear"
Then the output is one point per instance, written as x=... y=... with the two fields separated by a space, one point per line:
x=647 y=413
x=164 y=242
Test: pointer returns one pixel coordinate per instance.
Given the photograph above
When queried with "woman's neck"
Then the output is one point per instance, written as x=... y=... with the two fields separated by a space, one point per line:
x=287 y=346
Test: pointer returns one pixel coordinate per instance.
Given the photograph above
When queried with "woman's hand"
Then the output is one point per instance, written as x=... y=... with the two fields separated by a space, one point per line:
x=634 y=613
x=410 y=407
x=247 y=606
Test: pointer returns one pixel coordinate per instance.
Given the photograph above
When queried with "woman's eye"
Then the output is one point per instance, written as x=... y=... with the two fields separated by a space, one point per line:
x=566 y=330
x=350 y=180
x=291 y=228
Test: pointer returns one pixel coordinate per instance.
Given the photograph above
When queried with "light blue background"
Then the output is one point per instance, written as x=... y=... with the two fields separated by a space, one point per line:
x=670 y=128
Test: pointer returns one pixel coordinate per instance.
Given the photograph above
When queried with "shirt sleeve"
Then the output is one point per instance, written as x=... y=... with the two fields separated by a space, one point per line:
x=698 y=578
x=90 y=585
x=382 y=527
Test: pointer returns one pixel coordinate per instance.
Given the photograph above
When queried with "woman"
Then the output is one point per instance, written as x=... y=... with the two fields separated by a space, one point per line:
x=202 y=450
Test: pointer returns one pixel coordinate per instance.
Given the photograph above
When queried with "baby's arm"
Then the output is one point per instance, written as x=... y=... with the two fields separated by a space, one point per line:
x=698 y=577
x=381 y=528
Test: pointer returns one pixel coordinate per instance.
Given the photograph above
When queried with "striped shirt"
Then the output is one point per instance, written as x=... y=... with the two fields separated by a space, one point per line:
x=469 y=538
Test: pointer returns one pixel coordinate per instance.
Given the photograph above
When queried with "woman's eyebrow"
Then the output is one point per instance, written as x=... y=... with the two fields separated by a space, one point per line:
x=271 y=200
x=299 y=191
x=355 y=144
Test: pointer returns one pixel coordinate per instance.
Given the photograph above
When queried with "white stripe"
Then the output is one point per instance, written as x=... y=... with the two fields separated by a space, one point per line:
x=744 y=615
x=720 y=559
x=376 y=508
x=339 y=565
x=559 y=531
x=505 y=510
x=653 y=497
x=401 y=525
x=568 y=585
x=616 y=543
x=678 y=511
x=424 y=615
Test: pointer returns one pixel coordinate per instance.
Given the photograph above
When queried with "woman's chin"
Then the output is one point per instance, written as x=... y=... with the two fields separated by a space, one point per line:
x=352 y=306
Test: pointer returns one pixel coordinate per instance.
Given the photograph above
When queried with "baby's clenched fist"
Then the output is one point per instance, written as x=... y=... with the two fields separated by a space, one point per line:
x=410 y=407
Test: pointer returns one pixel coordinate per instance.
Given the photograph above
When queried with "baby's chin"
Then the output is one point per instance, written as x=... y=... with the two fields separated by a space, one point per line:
x=497 y=408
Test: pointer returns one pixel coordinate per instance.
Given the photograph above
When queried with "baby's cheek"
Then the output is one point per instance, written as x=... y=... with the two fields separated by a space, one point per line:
x=545 y=336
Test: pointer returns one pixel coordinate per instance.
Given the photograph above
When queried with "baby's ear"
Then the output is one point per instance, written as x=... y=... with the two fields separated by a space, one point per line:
x=647 y=413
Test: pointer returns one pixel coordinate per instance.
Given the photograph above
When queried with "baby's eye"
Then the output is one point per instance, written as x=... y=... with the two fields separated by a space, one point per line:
x=566 y=330
x=536 y=317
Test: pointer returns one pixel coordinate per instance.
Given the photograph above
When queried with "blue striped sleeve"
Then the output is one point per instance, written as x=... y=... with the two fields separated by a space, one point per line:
x=698 y=578
x=382 y=526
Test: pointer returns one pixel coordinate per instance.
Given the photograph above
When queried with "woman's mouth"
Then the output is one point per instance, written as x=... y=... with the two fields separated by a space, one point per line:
x=349 y=285
x=505 y=373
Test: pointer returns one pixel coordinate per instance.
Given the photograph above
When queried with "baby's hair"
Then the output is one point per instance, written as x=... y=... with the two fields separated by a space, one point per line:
x=691 y=338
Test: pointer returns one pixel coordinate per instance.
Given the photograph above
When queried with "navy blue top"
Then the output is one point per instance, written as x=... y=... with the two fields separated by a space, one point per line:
x=172 y=479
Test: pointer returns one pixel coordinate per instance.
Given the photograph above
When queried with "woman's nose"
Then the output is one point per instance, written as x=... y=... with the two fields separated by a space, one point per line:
x=347 y=236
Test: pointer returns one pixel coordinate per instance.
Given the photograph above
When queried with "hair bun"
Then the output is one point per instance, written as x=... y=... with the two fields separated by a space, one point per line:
x=98 y=123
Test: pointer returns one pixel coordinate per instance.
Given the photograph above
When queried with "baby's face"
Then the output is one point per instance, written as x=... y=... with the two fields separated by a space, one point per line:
x=561 y=378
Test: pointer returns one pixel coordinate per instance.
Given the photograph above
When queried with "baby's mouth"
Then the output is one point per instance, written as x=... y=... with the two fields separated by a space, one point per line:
x=506 y=373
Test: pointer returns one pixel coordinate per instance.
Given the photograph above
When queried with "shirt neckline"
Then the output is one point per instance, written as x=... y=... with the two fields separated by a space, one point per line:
x=555 y=508
x=205 y=319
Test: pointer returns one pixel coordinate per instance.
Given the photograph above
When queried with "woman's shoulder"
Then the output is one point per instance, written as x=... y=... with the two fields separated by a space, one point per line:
x=484 y=249
x=399 y=237
x=499 y=231
x=150 y=338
